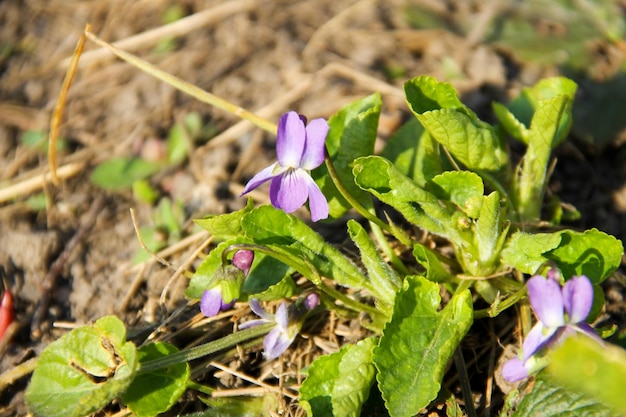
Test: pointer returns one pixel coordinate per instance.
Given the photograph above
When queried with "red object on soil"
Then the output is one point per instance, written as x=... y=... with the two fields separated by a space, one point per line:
x=6 y=312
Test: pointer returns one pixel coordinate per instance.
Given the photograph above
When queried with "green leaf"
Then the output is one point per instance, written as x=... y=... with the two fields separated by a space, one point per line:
x=154 y=392
x=352 y=134
x=425 y=93
x=550 y=102
x=120 y=173
x=414 y=153
x=592 y=253
x=475 y=145
x=82 y=371
x=170 y=215
x=379 y=177
x=435 y=271
x=269 y=279
x=193 y=124
x=597 y=370
x=417 y=344
x=472 y=141
x=225 y=226
x=509 y=122
x=143 y=191
x=35 y=139
x=459 y=187
x=339 y=384
x=38 y=140
x=178 y=142
x=488 y=231
x=283 y=232
x=530 y=184
x=264 y=406
x=37 y=202
x=525 y=251
x=383 y=278
x=524 y=106
x=547 y=399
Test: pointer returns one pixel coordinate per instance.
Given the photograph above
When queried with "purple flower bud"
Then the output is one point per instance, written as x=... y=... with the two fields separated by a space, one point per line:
x=243 y=259
x=311 y=301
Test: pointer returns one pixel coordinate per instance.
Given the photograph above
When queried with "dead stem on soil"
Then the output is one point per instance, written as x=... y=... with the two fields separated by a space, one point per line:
x=39 y=181
x=184 y=86
x=57 y=113
x=175 y=248
x=12 y=375
x=161 y=260
x=175 y=29
x=182 y=268
x=270 y=110
x=280 y=390
x=179 y=246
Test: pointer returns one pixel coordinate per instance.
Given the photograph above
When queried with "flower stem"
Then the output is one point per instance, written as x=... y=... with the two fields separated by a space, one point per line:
x=499 y=307
x=309 y=271
x=400 y=235
x=206 y=349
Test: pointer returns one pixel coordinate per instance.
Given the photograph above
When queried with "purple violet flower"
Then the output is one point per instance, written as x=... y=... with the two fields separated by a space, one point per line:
x=224 y=293
x=561 y=312
x=299 y=149
x=288 y=323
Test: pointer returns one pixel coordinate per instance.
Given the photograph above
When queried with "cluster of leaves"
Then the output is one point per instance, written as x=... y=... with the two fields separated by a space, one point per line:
x=447 y=173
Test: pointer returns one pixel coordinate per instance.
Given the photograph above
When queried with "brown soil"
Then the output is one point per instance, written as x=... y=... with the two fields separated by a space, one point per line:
x=71 y=262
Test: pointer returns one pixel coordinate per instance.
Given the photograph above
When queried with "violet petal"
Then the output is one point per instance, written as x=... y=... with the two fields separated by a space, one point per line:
x=252 y=323
x=276 y=342
x=586 y=329
x=546 y=300
x=578 y=298
x=514 y=370
x=281 y=316
x=537 y=338
x=290 y=140
x=265 y=174
x=313 y=155
x=211 y=302
x=255 y=306
x=318 y=205
x=289 y=191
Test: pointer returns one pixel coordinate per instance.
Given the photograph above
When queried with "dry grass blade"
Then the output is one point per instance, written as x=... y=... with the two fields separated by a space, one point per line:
x=38 y=182
x=184 y=86
x=175 y=29
x=57 y=114
x=252 y=380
